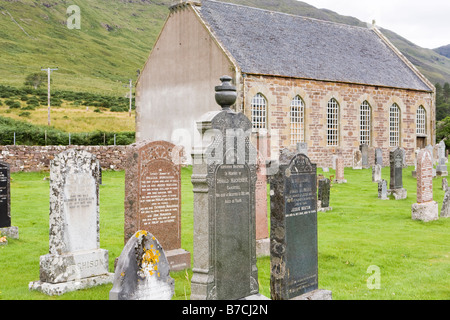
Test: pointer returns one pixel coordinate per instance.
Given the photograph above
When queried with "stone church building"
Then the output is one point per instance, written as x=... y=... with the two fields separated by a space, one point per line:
x=298 y=79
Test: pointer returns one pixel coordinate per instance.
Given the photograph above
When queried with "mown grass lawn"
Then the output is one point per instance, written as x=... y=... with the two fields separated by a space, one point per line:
x=360 y=232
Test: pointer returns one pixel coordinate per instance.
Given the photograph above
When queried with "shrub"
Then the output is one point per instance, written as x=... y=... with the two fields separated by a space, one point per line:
x=24 y=114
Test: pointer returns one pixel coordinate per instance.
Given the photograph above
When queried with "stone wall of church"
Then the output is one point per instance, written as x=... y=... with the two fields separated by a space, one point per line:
x=279 y=93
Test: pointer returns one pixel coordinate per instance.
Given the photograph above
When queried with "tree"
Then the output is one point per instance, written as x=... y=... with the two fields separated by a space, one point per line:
x=446 y=92
x=35 y=80
x=443 y=131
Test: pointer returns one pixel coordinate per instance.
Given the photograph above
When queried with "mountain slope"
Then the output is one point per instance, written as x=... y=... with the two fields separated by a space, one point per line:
x=444 y=50
x=116 y=37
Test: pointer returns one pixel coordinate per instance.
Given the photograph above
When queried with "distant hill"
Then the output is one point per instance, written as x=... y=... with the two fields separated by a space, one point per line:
x=444 y=50
x=116 y=37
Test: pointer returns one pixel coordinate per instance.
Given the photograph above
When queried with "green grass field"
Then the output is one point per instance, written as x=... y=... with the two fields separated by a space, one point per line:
x=361 y=231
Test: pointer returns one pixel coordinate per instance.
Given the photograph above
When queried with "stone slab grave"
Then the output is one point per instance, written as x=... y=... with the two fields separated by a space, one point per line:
x=425 y=209
x=224 y=179
x=153 y=197
x=441 y=168
x=323 y=195
x=340 y=171
x=142 y=271
x=414 y=172
x=75 y=260
x=379 y=156
x=262 y=226
x=396 y=189
x=6 y=229
x=293 y=229
x=445 y=210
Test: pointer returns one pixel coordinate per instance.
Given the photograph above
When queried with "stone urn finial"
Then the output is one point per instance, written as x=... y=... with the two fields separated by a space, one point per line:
x=226 y=93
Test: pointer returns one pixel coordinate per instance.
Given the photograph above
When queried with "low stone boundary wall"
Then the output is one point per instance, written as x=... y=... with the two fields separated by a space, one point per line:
x=37 y=158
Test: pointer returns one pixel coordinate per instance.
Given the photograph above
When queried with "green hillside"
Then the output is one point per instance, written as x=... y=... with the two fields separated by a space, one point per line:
x=116 y=37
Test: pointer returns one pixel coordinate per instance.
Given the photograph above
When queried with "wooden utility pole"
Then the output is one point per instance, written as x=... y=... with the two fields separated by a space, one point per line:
x=131 y=95
x=49 y=71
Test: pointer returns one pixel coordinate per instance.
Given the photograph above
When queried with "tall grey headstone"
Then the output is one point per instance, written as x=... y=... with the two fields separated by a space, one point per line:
x=293 y=247
x=224 y=180
x=5 y=203
x=379 y=156
x=143 y=271
x=441 y=168
x=364 y=148
x=444 y=184
x=75 y=260
x=396 y=174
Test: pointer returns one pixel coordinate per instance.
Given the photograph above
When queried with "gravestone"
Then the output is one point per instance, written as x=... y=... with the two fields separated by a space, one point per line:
x=323 y=196
x=414 y=172
x=357 y=160
x=376 y=173
x=445 y=210
x=143 y=271
x=382 y=190
x=333 y=161
x=6 y=230
x=441 y=168
x=364 y=148
x=302 y=147
x=425 y=209
x=293 y=228
x=444 y=184
x=75 y=260
x=340 y=171
x=224 y=179
x=153 y=197
x=379 y=156
x=396 y=174
x=262 y=227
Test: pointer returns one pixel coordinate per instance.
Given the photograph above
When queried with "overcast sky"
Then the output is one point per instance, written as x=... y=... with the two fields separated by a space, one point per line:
x=423 y=22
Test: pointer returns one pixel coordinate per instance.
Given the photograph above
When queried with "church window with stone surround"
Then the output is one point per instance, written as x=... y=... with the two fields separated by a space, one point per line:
x=332 y=123
x=421 y=120
x=259 y=112
x=394 y=126
x=297 y=116
x=364 y=123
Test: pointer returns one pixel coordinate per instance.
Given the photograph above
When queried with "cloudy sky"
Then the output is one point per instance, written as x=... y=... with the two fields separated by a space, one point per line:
x=423 y=22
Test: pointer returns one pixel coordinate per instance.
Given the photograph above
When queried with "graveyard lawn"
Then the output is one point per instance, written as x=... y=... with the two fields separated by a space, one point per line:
x=361 y=240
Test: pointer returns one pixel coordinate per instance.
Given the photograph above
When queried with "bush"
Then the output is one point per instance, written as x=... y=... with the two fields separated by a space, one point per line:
x=28 y=108
x=24 y=114
x=14 y=104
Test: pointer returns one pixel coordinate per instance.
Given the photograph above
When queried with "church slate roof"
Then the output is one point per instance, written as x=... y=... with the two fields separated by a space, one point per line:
x=279 y=44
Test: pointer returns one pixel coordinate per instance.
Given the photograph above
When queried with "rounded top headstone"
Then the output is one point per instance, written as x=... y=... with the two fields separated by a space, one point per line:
x=226 y=93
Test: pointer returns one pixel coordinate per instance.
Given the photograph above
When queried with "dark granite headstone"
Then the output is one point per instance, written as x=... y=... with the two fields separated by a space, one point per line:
x=224 y=180
x=5 y=199
x=294 y=264
x=396 y=163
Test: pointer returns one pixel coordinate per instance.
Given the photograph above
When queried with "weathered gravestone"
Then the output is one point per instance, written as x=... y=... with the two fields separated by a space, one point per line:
x=445 y=210
x=379 y=156
x=333 y=161
x=323 y=196
x=293 y=229
x=414 y=172
x=376 y=173
x=425 y=209
x=396 y=174
x=382 y=190
x=153 y=197
x=75 y=260
x=444 y=184
x=143 y=271
x=340 y=171
x=357 y=160
x=6 y=230
x=441 y=168
x=224 y=178
x=302 y=147
x=262 y=227
x=364 y=148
